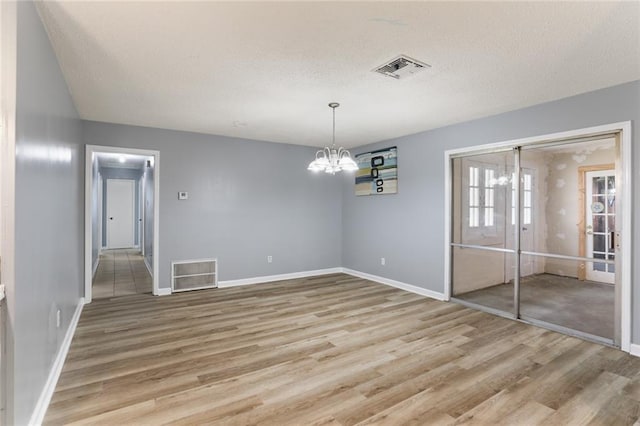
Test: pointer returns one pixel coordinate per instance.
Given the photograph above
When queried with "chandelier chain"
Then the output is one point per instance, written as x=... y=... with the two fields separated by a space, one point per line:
x=332 y=159
x=333 y=145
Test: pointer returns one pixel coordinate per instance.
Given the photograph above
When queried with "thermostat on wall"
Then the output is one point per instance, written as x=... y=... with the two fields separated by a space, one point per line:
x=183 y=195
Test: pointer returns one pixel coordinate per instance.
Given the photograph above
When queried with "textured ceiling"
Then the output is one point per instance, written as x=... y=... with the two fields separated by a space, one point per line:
x=267 y=70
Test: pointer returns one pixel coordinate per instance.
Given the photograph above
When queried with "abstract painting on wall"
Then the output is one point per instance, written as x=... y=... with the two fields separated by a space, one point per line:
x=377 y=172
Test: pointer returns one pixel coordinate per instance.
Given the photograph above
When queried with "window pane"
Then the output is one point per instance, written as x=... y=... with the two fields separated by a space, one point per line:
x=488 y=216
x=599 y=242
x=599 y=184
x=473 y=176
x=611 y=204
x=474 y=197
x=611 y=268
x=599 y=223
x=489 y=178
x=601 y=267
x=598 y=204
x=474 y=217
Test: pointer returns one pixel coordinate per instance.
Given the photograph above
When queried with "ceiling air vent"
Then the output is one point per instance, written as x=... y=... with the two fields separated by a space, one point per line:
x=401 y=67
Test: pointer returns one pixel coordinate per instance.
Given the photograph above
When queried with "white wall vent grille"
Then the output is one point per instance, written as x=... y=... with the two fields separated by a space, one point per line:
x=401 y=67
x=194 y=274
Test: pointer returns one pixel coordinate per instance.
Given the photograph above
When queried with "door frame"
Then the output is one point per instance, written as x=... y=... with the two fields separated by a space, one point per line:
x=623 y=131
x=90 y=152
x=133 y=212
x=8 y=77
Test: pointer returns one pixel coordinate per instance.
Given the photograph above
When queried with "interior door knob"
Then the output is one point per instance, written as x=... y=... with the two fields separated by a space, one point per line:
x=110 y=218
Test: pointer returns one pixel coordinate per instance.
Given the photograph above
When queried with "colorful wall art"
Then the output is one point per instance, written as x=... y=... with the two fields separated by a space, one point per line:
x=377 y=172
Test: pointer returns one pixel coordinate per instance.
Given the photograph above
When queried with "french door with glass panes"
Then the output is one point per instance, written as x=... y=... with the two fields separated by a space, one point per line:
x=600 y=218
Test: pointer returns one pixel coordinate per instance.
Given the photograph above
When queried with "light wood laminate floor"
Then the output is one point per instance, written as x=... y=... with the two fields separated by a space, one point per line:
x=332 y=350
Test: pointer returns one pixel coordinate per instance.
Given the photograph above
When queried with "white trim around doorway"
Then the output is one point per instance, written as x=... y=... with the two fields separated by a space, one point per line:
x=88 y=182
x=624 y=128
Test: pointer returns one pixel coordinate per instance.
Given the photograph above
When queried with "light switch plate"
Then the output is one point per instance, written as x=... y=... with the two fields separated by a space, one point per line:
x=183 y=195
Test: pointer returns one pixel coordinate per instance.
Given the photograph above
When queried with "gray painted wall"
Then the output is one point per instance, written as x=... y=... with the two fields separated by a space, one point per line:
x=247 y=200
x=407 y=228
x=116 y=173
x=49 y=212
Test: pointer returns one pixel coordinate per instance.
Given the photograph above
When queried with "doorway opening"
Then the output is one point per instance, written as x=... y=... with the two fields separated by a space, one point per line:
x=121 y=222
x=534 y=231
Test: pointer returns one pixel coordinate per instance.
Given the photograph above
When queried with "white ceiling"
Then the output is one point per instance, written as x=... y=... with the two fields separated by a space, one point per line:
x=267 y=70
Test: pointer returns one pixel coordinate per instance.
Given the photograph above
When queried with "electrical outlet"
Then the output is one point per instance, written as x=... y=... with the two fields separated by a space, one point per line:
x=383 y=261
x=269 y=259
x=58 y=318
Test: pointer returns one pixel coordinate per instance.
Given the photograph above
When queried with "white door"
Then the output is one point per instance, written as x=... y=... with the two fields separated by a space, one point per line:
x=527 y=194
x=600 y=224
x=120 y=213
x=527 y=201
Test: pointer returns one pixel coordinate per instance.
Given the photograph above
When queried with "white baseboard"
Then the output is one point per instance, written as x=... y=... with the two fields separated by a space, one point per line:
x=146 y=263
x=634 y=349
x=95 y=267
x=54 y=374
x=397 y=284
x=280 y=277
x=163 y=291
x=270 y=278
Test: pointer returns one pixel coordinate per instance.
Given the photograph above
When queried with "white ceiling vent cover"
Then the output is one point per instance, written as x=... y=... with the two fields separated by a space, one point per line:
x=401 y=67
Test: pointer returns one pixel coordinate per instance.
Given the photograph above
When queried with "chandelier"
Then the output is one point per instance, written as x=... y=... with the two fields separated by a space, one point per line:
x=332 y=159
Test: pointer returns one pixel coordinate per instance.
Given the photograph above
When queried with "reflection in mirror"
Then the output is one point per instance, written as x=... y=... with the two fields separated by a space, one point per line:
x=567 y=213
x=560 y=220
x=560 y=298
x=483 y=277
x=481 y=199
x=483 y=215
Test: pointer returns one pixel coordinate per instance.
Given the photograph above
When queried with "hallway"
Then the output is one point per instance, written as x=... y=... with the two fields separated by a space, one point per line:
x=120 y=273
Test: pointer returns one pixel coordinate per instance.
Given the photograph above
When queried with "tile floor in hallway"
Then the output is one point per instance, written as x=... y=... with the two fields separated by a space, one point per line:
x=121 y=272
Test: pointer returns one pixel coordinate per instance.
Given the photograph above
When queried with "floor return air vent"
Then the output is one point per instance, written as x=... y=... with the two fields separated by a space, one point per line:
x=194 y=274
